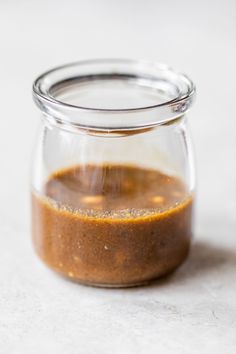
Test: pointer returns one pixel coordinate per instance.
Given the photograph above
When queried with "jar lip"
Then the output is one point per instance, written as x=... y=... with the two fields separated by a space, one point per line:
x=51 y=105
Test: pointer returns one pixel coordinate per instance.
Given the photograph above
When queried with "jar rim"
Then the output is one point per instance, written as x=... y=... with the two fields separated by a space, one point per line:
x=47 y=85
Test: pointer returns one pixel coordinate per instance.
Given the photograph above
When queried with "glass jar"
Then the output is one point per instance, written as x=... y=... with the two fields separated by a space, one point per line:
x=113 y=178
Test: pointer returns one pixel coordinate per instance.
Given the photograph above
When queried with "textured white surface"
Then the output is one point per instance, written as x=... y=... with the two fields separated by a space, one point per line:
x=194 y=310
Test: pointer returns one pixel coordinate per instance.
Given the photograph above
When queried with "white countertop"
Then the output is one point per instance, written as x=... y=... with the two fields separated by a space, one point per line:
x=192 y=311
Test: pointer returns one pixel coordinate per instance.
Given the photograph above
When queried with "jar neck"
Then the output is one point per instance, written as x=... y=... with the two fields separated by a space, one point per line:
x=53 y=123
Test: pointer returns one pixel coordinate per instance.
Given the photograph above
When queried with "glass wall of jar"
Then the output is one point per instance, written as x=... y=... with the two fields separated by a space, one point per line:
x=113 y=177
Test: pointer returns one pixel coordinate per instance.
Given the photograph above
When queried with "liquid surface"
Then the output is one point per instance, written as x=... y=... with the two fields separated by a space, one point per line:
x=112 y=225
x=114 y=191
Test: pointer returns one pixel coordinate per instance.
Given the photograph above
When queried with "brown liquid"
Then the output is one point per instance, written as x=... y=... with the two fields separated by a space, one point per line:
x=112 y=225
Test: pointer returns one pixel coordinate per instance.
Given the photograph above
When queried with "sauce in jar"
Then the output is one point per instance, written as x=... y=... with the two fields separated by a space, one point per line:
x=112 y=225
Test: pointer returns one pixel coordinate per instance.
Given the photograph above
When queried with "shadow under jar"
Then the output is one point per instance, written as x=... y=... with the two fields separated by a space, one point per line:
x=113 y=179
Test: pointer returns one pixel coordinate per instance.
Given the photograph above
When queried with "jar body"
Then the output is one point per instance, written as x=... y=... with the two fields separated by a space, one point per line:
x=113 y=210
